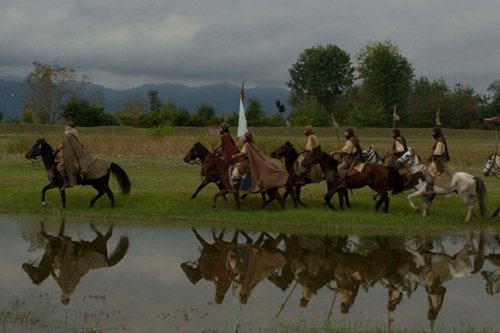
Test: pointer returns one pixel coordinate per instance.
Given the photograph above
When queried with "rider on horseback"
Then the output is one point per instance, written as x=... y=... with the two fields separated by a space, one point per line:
x=351 y=155
x=438 y=160
x=69 y=130
x=231 y=153
x=399 y=146
x=313 y=174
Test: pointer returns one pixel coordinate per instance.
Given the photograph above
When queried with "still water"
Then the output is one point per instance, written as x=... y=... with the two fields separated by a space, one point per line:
x=183 y=280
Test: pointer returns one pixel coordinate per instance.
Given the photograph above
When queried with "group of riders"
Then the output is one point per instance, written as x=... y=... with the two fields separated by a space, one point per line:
x=250 y=161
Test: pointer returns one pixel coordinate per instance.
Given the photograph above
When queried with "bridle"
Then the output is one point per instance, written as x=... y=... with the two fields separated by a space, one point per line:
x=493 y=163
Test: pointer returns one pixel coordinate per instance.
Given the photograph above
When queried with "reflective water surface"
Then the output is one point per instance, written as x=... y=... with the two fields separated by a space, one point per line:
x=74 y=277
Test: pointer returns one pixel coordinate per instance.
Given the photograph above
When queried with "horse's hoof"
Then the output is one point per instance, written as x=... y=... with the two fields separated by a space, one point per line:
x=44 y=203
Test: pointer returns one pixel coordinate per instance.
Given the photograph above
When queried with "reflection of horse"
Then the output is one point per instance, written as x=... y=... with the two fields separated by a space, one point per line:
x=292 y=165
x=74 y=259
x=492 y=168
x=465 y=185
x=42 y=149
x=378 y=177
x=439 y=267
x=220 y=167
x=198 y=151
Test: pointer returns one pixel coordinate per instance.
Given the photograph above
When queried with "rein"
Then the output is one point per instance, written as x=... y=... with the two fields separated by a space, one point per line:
x=496 y=165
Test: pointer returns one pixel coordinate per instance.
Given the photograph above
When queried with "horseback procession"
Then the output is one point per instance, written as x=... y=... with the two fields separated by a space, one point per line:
x=240 y=168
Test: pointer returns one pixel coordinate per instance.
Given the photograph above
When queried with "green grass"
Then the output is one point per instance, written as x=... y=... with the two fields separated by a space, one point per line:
x=162 y=183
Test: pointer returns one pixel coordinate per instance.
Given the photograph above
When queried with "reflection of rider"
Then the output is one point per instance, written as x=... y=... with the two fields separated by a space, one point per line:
x=438 y=159
x=351 y=154
x=399 y=146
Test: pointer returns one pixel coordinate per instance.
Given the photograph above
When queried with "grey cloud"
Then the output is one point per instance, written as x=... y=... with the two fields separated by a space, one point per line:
x=222 y=40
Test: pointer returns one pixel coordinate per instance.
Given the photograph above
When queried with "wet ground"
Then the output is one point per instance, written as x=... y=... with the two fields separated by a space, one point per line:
x=84 y=278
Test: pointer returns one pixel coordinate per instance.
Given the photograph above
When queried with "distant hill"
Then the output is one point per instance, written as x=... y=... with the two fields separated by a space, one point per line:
x=222 y=96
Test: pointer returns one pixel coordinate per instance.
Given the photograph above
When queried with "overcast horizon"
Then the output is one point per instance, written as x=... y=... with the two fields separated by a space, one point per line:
x=124 y=44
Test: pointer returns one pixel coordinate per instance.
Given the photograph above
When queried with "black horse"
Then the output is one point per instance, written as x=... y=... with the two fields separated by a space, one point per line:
x=41 y=149
x=290 y=155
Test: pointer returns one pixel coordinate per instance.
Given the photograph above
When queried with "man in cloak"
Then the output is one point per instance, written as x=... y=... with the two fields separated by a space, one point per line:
x=76 y=161
x=265 y=173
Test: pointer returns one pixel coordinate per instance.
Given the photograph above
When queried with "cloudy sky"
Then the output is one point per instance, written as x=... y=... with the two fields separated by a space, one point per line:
x=125 y=43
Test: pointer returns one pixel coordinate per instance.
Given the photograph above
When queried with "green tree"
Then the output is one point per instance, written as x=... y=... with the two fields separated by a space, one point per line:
x=48 y=88
x=204 y=116
x=254 y=113
x=463 y=109
x=425 y=99
x=491 y=103
x=323 y=73
x=167 y=114
x=1 y=116
x=386 y=76
x=131 y=110
x=310 y=112
x=154 y=101
x=85 y=114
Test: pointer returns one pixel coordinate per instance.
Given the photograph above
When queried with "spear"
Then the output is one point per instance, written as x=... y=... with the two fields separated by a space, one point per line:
x=336 y=127
x=286 y=300
x=331 y=308
x=395 y=118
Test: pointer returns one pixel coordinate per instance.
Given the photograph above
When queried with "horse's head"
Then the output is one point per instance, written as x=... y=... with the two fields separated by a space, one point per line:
x=406 y=158
x=197 y=151
x=312 y=157
x=36 y=274
x=193 y=273
x=40 y=149
x=492 y=166
x=491 y=282
x=369 y=153
x=286 y=150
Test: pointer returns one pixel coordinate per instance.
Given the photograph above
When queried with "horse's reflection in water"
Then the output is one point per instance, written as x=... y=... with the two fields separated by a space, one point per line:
x=245 y=264
x=491 y=279
x=67 y=261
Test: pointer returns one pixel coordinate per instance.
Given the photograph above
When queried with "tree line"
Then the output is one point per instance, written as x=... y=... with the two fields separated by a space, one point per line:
x=325 y=83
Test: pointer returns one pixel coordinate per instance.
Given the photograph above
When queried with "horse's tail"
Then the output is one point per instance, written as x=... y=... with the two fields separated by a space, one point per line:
x=395 y=180
x=121 y=177
x=481 y=195
x=119 y=252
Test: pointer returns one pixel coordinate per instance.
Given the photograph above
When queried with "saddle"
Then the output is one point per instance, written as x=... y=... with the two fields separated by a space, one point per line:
x=355 y=169
x=444 y=178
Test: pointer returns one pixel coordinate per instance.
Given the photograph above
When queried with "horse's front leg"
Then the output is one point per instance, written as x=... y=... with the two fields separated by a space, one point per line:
x=204 y=183
x=411 y=196
x=496 y=212
x=44 y=189
x=328 y=197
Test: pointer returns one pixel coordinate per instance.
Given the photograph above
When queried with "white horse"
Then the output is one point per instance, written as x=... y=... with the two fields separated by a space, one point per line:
x=370 y=155
x=468 y=187
x=492 y=168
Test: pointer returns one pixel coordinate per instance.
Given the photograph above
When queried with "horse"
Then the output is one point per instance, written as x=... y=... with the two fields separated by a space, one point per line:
x=288 y=152
x=462 y=183
x=199 y=151
x=378 y=177
x=78 y=258
x=221 y=167
x=370 y=155
x=41 y=149
x=492 y=168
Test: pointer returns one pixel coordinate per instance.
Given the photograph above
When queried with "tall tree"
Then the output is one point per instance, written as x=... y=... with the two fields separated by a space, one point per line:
x=254 y=113
x=131 y=110
x=323 y=73
x=463 y=108
x=425 y=99
x=154 y=100
x=48 y=88
x=386 y=76
x=85 y=114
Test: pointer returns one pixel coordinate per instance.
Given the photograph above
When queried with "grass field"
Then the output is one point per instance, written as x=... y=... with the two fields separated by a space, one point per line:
x=162 y=183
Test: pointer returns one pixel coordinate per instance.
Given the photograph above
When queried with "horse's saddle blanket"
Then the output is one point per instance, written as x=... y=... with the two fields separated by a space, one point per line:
x=358 y=168
x=444 y=179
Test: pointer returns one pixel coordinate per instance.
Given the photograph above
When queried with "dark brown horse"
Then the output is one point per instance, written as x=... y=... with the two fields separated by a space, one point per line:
x=221 y=167
x=41 y=149
x=378 y=177
x=200 y=152
x=287 y=152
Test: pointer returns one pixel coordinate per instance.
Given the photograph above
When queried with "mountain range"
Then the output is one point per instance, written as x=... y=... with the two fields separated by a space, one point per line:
x=223 y=97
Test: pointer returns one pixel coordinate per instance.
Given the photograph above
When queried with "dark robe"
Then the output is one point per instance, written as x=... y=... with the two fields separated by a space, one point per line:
x=228 y=147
